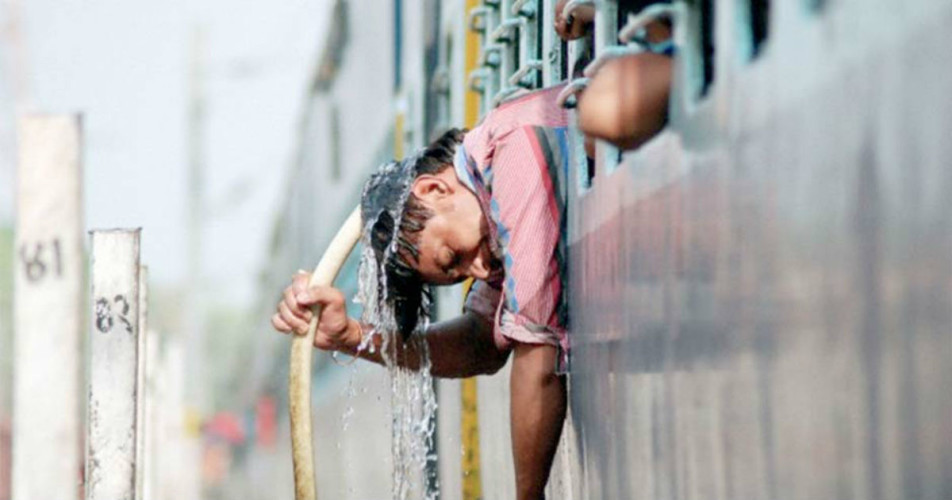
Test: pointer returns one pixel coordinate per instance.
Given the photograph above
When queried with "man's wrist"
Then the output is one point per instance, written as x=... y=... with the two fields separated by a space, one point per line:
x=353 y=336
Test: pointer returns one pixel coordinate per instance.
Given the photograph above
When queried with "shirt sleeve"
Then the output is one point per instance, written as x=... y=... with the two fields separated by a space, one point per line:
x=483 y=299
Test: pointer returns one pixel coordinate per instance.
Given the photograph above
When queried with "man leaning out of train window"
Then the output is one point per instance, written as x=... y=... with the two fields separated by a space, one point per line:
x=486 y=205
x=626 y=100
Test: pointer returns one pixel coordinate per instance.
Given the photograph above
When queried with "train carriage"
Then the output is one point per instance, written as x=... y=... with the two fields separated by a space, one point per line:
x=760 y=296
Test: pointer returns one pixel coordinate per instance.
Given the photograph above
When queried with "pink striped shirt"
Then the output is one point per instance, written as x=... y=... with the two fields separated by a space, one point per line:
x=516 y=162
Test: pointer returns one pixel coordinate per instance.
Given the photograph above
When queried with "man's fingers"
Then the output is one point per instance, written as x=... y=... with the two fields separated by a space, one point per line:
x=324 y=295
x=573 y=26
x=279 y=324
x=298 y=309
x=298 y=324
x=560 y=26
x=295 y=308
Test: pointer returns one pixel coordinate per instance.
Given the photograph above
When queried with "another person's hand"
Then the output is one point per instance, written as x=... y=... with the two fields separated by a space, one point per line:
x=576 y=24
x=334 y=331
x=626 y=102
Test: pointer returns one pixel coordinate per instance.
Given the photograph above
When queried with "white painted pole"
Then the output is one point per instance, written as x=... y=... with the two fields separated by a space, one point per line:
x=153 y=425
x=114 y=353
x=48 y=309
x=141 y=388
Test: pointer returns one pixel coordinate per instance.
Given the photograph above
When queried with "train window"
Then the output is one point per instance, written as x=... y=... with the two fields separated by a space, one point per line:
x=586 y=166
x=436 y=69
x=397 y=43
x=699 y=50
x=516 y=48
x=815 y=5
x=482 y=78
x=563 y=59
x=621 y=29
x=706 y=40
x=756 y=27
x=627 y=10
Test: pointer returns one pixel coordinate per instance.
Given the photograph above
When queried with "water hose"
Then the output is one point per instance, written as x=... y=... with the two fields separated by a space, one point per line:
x=302 y=346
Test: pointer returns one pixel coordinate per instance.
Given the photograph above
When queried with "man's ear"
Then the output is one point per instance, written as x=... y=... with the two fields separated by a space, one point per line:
x=430 y=188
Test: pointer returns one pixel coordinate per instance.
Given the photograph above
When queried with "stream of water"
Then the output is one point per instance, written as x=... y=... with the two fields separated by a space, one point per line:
x=412 y=397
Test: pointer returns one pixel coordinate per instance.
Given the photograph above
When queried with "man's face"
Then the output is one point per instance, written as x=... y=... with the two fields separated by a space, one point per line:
x=454 y=244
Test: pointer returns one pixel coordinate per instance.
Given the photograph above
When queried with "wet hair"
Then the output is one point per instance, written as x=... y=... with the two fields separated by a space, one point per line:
x=408 y=294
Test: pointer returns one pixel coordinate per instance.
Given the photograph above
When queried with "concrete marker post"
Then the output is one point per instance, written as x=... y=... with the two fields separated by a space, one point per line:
x=113 y=375
x=48 y=322
x=141 y=386
x=151 y=422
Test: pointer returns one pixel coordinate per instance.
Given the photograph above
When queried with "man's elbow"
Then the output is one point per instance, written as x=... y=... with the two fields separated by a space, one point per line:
x=491 y=358
x=495 y=360
x=626 y=102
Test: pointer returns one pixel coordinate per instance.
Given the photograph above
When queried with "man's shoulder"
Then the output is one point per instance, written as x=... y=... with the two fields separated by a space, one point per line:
x=535 y=108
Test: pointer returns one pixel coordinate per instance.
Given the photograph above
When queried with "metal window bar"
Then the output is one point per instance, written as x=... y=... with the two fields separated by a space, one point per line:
x=632 y=36
x=503 y=32
x=491 y=56
x=567 y=98
x=504 y=94
x=478 y=79
x=637 y=23
x=554 y=52
x=477 y=18
x=484 y=79
x=507 y=36
x=523 y=76
x=573 y=5
x=522 y=28
x=510 y=59
x=576 y=50
x=526 y=8
x=530 y=61
x=606 y=39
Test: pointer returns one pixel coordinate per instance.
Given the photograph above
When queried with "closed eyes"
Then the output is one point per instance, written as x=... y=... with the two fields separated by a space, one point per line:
x=452 y=262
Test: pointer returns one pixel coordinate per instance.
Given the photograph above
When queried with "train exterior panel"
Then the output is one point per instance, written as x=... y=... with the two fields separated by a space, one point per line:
x=761 y=296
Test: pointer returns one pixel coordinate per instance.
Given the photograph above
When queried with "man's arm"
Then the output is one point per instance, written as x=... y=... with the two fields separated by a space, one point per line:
x=536 y=412
x=459 y=347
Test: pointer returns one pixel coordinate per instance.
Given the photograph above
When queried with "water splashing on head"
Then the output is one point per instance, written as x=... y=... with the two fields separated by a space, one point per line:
x=396 y=301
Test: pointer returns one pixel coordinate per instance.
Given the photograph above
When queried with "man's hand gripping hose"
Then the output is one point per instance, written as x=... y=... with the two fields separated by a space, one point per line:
x=299 y=383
